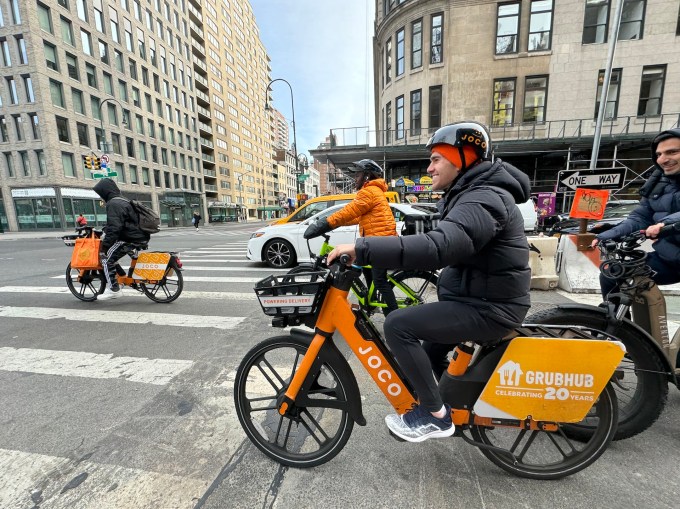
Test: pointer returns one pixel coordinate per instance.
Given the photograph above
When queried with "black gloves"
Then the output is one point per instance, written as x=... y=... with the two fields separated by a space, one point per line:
x=317 y=228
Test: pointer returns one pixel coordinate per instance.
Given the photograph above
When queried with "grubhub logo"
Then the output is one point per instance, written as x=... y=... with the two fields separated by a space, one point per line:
x=510 y=374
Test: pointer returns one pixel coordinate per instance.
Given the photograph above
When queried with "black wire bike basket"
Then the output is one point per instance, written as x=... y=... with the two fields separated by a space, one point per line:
x=292 y=294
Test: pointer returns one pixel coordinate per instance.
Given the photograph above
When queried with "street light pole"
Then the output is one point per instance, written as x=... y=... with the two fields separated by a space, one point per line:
x=292 y=107
x=104 y=147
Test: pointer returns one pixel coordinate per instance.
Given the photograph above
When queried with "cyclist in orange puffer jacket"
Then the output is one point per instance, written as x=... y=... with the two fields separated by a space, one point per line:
x=371 y=211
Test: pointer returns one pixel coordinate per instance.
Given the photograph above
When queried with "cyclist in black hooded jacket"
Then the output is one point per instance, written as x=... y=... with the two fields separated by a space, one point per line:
x=122 y=229
x=484 y=287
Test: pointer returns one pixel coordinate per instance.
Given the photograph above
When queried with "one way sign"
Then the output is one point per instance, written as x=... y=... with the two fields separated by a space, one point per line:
x=592 y=179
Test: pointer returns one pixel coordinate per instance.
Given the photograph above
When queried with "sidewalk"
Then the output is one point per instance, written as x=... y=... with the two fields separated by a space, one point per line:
x=56 y=234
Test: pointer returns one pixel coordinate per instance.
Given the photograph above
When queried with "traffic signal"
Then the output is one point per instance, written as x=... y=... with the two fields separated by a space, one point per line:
x=88 y=162
x=97 y=164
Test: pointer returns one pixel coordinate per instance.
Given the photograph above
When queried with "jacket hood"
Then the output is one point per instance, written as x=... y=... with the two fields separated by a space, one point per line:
x=498 y=174
x=107 y=189
x=663 y=135
x=379 y=183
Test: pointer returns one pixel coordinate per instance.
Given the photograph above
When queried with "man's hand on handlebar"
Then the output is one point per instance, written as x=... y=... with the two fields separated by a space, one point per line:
x=652 y=232
x=594 y=243
x=340 y=250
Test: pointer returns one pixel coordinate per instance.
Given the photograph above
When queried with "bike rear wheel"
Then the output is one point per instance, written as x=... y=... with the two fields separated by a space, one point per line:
x=167 y=289
x=421 y=287
x=640 y=383
x=551 y=455
x=85 y=285
x=305 y=436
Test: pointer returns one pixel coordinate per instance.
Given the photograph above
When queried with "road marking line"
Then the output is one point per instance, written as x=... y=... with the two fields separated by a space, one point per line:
x=91 y=365
x=127 y=317
x=108 y=485
x=185 y=294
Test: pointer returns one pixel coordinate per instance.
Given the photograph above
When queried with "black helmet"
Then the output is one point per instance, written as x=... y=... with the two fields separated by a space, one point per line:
x=367 y=166
x=663 y=136
x=463 y=134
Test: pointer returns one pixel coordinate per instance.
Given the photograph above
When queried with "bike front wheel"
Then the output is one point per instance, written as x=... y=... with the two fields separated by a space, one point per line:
x=546 y=455
x=85 y=285
x=167 y=289
x=640 y=382
x=307 y=435
x=415 y=287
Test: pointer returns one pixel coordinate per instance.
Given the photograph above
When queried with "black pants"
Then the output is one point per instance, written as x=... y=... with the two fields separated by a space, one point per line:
x=440 y=325
x=109 y=259
x=665 y=274
x=380 y=282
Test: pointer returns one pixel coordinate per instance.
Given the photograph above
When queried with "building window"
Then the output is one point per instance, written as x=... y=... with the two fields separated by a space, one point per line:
x=6 y=56
x=78 y=103
x=416 y=112
x=535 y=95
x=399 y=106
x=108 y=83
x=507 y=28
x=388 y=61
x=35 y=126
x=28 y=85
x=10 y=164
x=42 y=163
x=120 y=170
x=62 y=130
x=25 y=163
x=632 y=20
x=435 y=108
x=83 y=135
x=401 y=57
x=86 y=42
x=540 y=25
x=19 y=127
x=130 y=147
x=44 y=18
x=134 y=178
x=436 y=39
x=145 y=176
x=596 y=22
x=51 y=56
x=4 y=137
x=67 y=31
x=612 y=107
x=91 y=73
x=57 y=94
x=103 y=52
x=67 y=164
x=503 y=102
x=81 y=7
x=677 y=30
x=94 y=106
x=16 y=14
x=21 y=45
x=13 y=95
x=388 y=123
x=651 y=90
x=417 y=44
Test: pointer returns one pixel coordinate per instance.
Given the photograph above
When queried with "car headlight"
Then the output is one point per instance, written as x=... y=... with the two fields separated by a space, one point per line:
x=256 y=235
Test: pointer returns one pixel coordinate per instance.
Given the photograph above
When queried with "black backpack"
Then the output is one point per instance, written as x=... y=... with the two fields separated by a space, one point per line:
x=147 y=220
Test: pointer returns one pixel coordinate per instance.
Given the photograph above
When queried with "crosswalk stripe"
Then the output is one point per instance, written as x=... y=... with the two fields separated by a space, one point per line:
x=91 y=365
x=109 y=485
x=127 y=317
x=223 y=253
x=204 y=279
x=186 y=294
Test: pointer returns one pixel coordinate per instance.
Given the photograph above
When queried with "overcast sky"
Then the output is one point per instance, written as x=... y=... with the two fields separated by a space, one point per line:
x=323 y=48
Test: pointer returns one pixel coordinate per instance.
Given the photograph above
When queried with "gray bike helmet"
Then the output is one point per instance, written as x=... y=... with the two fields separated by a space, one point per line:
x=663 y=136
x=368 y=167
x=460 y=134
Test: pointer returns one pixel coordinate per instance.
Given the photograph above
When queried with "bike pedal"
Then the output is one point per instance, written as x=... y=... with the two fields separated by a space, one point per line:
x=398 y=439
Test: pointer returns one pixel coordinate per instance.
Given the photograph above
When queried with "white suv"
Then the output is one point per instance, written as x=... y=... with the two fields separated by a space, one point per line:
x=530 y=215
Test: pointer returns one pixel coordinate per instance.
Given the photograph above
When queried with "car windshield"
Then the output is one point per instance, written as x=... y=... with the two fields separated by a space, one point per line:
x=620 y=210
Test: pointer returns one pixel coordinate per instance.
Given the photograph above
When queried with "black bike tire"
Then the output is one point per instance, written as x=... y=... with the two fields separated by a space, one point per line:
x=243 y=408
x=651 y=394
x=427 y=276
x=71 y=286
x=171 y=298
x=598 y=442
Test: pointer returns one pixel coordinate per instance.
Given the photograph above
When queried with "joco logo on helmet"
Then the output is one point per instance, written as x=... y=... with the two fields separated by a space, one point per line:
x=469 y=138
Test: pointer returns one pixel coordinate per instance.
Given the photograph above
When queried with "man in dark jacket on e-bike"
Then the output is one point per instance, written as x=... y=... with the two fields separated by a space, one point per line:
x=122 y=228
x=483 y=289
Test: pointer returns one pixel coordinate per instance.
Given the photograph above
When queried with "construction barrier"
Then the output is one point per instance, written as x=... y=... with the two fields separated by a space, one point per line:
x=579 y=271
x=542 y=262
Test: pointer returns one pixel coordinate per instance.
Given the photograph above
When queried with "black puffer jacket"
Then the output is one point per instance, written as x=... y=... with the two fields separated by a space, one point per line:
x=122 y=222
x=480 y=240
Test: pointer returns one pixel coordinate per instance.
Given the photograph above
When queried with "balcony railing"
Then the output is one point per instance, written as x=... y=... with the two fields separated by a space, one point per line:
x=551 y=130
x=210 y=188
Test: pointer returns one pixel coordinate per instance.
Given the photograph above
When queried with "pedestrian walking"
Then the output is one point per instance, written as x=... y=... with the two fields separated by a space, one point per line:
x=196 y=219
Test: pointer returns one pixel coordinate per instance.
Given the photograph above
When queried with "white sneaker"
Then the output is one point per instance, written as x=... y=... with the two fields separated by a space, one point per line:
x=110 y=294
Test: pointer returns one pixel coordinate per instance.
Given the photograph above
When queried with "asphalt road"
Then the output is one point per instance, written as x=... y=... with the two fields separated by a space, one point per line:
x=128 y=404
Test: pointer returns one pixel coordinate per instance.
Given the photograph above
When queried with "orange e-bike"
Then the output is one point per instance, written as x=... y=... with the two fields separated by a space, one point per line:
x=515 y=399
